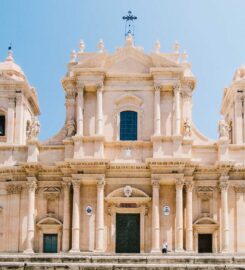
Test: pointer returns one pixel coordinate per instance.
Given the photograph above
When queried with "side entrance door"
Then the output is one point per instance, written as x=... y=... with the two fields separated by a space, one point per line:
x=50 y=243
x=205 y=243
x=128 y=233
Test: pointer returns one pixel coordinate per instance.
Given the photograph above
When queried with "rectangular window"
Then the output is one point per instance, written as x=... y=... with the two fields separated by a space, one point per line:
x=128 y=126
x=2 y=125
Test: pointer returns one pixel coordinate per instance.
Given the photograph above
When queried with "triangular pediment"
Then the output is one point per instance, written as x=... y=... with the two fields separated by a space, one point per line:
x=128 y=60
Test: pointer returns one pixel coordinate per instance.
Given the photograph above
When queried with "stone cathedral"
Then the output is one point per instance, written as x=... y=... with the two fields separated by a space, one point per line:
x=129 y=170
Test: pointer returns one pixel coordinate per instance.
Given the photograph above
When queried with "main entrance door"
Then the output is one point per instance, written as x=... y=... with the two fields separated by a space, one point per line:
x=205 y=243
x=128 y=233
x=50 y=243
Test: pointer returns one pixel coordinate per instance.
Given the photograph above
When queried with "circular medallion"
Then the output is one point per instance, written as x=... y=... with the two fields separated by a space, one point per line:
x=89 y=210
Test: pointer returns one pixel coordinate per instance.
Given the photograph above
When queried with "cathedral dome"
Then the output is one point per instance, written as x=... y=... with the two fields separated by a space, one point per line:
x=239 y=74
x=11 y=70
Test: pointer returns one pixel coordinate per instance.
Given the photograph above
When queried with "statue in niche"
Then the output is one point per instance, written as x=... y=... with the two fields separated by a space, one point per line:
x=223 y=129
x=70 y=127
x=32 y=129
x=187 y=128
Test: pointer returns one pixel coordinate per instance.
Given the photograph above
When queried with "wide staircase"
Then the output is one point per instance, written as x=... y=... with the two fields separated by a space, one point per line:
x=89 y=261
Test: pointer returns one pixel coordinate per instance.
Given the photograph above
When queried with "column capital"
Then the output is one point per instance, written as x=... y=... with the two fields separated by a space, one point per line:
x=157 y=87
x=189 y=186
x=80 y=86
x=179 y=183
x=11 y=101
x=176 y=87
x=66 y=185
x=224 y=185
x=100 y=182
x=31 y=183
x=99 y=86
x=155 y=183
x=76 y=184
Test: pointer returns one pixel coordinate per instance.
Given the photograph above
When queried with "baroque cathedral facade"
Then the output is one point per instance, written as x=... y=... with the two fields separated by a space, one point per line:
x=129 y=170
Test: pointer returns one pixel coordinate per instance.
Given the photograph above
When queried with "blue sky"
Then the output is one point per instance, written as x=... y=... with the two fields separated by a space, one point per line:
x=43 y=33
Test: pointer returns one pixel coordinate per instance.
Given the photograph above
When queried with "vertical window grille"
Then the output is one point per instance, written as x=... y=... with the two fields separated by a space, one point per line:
x=128 y=126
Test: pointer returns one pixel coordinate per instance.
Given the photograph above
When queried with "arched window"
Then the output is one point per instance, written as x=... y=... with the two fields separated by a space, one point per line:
x=2 y=125
x=128 y=126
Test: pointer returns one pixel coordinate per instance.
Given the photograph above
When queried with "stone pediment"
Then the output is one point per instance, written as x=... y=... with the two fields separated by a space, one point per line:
x=51 y=221
x=128 y=60
x=127 y=194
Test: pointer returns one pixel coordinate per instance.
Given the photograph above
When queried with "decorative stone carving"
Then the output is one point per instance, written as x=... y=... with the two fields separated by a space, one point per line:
x=32 y=129
x=127 y=191
x=155 y=183
x=239 y=188
x=205 y=192
x=70 y=93
x=14 y=189
x=223 y=129
x=99 y=86
x=51 y=193
x=224 y=185
x=179 y=183
x=66 y=185
x=31 y=185
x=157 y=87
x=189 y=185
x=70 y=128
x=187 y=128
x=100 y=182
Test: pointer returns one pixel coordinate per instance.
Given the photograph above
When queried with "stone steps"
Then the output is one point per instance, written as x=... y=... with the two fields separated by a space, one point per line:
x=120 y=262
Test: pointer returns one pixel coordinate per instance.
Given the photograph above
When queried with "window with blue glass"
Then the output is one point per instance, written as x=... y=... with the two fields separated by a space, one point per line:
x=128 y=126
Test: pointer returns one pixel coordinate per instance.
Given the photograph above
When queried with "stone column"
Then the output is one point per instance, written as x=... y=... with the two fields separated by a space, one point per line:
x=70 y=103
x=99 y=130
x=80 y=105
x=76 y=217
x=31 y=185
x=157 y=111
x=66 y=217
x=10 y=121
x=100 y=216
x=224 y=184
x=155 y=217
x=19 y=118
x=238 y=119
x=189 y=228
x=179 y=215
x=177 y=109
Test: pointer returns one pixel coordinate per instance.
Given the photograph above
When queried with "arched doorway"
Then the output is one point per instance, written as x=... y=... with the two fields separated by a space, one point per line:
x=205 y=235
x=127 y=209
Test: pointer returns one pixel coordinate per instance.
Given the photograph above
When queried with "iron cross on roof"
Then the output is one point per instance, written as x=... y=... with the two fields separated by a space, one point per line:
x=129 y=23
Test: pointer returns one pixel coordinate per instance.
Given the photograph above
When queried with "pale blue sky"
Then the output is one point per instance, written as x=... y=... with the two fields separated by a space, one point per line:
x=44 y=32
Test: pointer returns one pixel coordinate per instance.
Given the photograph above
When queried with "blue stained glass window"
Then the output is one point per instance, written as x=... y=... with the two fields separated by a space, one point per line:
x=128 y=126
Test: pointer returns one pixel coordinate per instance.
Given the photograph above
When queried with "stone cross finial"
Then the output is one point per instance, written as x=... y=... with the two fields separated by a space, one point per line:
x=81 y=46
x=10 y=55
x=157 y=46
x=101 y=46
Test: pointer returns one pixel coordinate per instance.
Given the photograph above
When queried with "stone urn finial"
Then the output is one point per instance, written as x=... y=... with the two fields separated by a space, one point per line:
x=81 y=46
x=101 y=46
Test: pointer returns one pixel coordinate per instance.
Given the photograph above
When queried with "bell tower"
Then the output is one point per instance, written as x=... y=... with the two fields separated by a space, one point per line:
x=233 y=107
x=18 y=104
